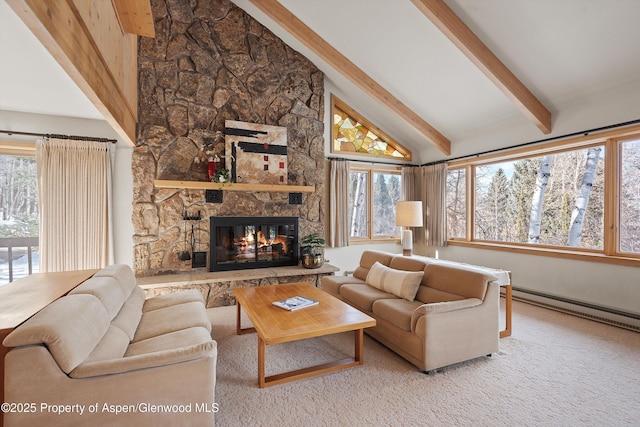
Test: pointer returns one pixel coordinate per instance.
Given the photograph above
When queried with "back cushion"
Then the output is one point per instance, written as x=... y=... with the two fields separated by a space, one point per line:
x=429 y=295
x=407 y=264
x=367 y=260
x=129 y=316
x=112 y=346
x=457 y=280
x=123 y=274
x=106 y=289
x=71 y=327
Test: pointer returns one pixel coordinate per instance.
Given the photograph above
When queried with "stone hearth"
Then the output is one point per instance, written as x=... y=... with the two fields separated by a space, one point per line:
x=217 y=287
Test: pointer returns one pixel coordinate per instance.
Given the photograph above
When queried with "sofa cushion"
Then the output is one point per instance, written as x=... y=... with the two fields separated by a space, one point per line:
x=167 y=300
x=183 y=350
x=332 y=284
x=70 y=327
x=457 y=280
x=362 y=296
x=129 y=316
x=407 y=264
x=396 y=311
x=403 y=284
x=170 y=319
x=367 y=259
x=429 y=295
x=123 y=274
x=183 y=338
x=106 y=289
x=113 y=345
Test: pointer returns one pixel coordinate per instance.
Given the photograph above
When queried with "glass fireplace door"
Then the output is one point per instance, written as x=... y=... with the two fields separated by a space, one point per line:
x=253 y=242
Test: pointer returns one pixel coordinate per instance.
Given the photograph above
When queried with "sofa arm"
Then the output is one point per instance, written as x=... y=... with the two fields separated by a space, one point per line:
x=143 y=361
x=442 y=307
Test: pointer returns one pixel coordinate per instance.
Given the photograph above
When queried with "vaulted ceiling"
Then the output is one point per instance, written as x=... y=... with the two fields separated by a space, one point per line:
x=417 y=71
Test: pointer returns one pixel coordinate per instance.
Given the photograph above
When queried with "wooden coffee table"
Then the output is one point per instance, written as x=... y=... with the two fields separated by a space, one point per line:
x=275 y=325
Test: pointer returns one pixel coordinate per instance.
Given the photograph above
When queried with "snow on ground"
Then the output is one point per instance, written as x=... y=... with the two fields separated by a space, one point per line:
x=20 y=267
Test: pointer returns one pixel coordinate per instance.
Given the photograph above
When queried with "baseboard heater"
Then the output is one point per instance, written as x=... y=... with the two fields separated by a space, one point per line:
x=606 y=315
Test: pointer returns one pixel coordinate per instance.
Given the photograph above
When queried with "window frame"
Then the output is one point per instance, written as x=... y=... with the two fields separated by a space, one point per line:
x=20 y=149
x=610 y=253
x=371 y=170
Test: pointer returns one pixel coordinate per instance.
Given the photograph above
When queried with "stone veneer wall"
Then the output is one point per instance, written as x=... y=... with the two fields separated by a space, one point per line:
x=208 y=63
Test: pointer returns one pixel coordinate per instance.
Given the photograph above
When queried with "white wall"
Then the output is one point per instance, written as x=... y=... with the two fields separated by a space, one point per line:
x=122 y=177
x=605 y=285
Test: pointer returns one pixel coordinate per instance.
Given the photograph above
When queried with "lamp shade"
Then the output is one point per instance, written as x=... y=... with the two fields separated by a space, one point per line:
x=409 y=214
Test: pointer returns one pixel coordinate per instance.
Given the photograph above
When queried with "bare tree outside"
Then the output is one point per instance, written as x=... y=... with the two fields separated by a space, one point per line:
x=386 y=194
x=456 y=203
x=377 y=198
x=534 y=200
x=582 y=199
x=19 y=217
x=18 y=197
x=358 y=212
x=630 y=197
x=537 y=199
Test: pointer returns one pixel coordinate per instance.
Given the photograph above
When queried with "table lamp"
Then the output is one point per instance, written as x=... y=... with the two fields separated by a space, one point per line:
x=408 y=214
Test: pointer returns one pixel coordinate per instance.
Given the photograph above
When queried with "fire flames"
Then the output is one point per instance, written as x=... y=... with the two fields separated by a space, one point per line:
x=247 y=242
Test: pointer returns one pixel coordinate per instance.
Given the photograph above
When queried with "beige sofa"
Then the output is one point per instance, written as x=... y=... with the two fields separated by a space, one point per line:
x=105 y=355
x=431 y=313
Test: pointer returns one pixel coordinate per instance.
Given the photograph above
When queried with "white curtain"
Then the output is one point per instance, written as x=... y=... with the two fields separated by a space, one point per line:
x=428 y=184
x=338 y=204
x=75 y=198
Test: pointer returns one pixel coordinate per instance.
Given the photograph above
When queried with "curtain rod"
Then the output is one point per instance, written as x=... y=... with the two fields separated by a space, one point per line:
x=584 y=132
x=54 y=135
x=370 y=162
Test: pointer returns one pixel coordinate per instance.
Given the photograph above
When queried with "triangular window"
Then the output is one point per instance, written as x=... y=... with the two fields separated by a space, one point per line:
x=353 y=134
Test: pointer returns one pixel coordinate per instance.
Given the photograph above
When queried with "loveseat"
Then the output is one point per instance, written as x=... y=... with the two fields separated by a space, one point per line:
x=431 y=313
x=105 y=355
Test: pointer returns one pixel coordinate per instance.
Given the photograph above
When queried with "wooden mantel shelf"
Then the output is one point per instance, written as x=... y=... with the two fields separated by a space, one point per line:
x=234 y=186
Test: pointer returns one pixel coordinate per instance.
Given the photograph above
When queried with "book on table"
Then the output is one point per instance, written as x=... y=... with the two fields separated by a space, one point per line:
x=295 y=303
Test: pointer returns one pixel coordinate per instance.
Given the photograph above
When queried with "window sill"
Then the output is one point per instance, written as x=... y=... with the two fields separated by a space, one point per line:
x=378 y=240
x=550 y=252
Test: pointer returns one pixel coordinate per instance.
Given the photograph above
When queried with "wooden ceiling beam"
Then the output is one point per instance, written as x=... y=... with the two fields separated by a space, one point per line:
x=326 y=52
x=135 y=17
x=457 y=31
x=108 y=80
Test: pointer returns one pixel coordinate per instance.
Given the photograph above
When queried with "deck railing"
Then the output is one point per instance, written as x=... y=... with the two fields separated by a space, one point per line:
x=15 y=247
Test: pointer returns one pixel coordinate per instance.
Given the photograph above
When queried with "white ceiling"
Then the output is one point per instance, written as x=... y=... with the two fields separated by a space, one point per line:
x=30 y=79
x=567 y=52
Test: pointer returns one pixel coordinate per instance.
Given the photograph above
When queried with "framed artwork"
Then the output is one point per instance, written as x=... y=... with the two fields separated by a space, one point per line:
x=256 y=153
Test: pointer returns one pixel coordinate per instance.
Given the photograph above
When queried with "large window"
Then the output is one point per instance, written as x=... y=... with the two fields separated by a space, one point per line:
x=19 y=222
x=556 y=199
x=575 y=198
x=373 y=194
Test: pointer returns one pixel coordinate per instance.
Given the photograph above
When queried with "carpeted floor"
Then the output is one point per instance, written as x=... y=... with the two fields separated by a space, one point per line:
x=555 y=370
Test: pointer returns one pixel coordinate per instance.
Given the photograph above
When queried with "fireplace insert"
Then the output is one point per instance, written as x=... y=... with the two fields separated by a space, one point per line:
x=239 y=243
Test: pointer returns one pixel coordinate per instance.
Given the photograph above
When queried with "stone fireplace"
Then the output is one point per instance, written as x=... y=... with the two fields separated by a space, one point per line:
x=253 y=242
x=211 y=62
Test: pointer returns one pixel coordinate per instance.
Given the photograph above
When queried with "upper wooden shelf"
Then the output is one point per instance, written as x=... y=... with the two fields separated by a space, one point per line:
x=234 y=186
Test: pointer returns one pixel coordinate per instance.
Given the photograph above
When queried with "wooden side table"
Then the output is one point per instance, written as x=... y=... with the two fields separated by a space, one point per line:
x=507 y=297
